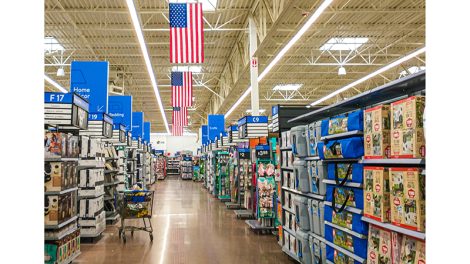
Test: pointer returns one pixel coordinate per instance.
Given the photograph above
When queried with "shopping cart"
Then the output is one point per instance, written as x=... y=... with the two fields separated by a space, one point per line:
x=136 y=204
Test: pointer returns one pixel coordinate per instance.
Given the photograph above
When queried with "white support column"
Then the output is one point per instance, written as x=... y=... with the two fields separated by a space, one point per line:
x=253 y=67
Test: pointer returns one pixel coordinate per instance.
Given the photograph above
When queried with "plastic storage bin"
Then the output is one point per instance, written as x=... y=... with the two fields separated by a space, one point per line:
x=298 y=137
x=347 y=172
x=345 y=196
x=349 y=148
x=302 y=217
x=301 y=175
x=313 y=137
x=343 y=123
x=346 y=219
x=336 y=256
x=316 y=212
x=317 y=250
x=317 y=172
x=356 y=245
x=303 y=247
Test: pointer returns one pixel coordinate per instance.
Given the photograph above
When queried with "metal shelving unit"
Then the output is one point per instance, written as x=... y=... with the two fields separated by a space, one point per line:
x=394 y=228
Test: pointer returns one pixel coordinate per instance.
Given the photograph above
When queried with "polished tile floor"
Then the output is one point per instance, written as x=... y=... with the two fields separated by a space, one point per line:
x=190 y=226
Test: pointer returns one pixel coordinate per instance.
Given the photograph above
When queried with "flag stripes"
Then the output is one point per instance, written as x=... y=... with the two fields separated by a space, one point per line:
x=186 y=33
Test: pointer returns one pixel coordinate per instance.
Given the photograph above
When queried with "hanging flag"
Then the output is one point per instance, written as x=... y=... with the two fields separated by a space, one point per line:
x=186 y=33
x=176 y=130
x=180 y=116
x=181 y=89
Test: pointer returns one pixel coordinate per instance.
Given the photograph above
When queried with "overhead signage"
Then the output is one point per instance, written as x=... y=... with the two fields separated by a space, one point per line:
x=147 y=128
x=137 y=125
x=275 y=110
x=120 y=109
x=215 y=125
x=205 y=134
x=68 y=109
x=252 y=120
x=90 y=80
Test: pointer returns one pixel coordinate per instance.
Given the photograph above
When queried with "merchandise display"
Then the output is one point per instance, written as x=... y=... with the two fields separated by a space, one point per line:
x=217 y=121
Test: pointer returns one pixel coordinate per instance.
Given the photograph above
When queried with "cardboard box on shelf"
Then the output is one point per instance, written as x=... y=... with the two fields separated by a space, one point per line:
x=407 y=198
x=377 y=193
x=383 y=246
x=407 y=135
x=412 y=251
x=377 y=132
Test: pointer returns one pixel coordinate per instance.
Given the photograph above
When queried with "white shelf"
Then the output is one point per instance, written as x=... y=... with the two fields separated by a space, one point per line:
x=346 y=230
x=61 y=224
x=312 y=158
x=397 y=229
x=347 y=208
x=61 y=192
x=288 y=210
x=342 y=135
x=347 y=184
x=322 y=239
x=394 y=161
x=61 y=236
x=60 y=159
x=345 y=252
x=310 y=195
x=292 y=232
x=292 y=255
x=91 y=196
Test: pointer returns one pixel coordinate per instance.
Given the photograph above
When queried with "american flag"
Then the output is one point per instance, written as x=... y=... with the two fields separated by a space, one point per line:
x=186 y=33
x=176 y=130
x=181 y=89
x=180 y=116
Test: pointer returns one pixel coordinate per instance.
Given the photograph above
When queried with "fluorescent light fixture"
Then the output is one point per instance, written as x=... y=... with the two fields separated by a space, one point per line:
x=194 y=69
x=375 y=73
x=341 y=71
x=208 y=5
x=145 y=54
x=55 y=84
x=344 y=43
x=287 y=87
x=260 y=111
x=51 y=44
x=411 y=70
x=283 y=51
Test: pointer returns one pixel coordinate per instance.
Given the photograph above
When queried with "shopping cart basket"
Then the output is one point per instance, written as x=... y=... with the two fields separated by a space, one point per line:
x=136 y=204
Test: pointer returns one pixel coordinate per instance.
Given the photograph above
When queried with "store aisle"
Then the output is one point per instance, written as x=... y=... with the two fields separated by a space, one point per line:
x=190 y=226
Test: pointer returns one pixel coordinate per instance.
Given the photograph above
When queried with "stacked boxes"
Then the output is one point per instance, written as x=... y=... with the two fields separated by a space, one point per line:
x=377 y=132
x=377 y=193
x=384 y=246
x=407 y=128
x=61 y=250
x=407 y=187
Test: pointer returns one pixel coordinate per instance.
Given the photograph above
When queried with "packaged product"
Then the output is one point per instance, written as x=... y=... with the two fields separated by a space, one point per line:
x=407 y=198
x=383 y=246
x=347 y=196
x=349 y=148
x=353 y=172
x=377 y=194
x=348 y=241
x=338 y=257
x=346 y=219
x=377 y=132
x=342 y=123
x=407 y=134
x=412 y=251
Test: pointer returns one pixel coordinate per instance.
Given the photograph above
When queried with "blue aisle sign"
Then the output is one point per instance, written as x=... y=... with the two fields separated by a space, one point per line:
x=205 y=134
x=66 y=98
x=252 y=120
x=216 y=125
x=100 y=117
x=147 y=126
x=275 y=110
x=137 y=125
x=90 y=80
x=120 y=109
